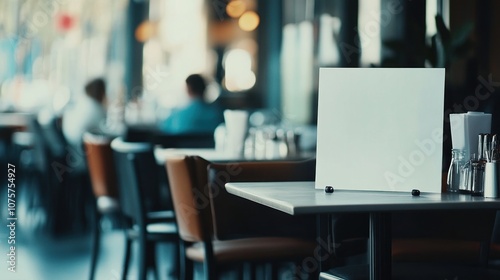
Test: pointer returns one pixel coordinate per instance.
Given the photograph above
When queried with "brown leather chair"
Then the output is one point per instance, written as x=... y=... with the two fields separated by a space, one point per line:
x=189 y=189
x=259 y=220
x=456 y=236
x=101 y=166
x=104 y=185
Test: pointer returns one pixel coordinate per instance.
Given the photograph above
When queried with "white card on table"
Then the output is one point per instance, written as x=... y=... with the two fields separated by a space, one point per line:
x=380 y=129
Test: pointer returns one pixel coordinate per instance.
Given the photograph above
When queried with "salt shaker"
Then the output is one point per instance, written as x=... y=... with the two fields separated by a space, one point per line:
x=477 y=177
x=491 y=180
x=491 y=171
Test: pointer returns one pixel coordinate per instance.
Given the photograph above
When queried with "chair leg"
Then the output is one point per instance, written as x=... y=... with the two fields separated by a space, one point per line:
x=95 y=244
x=182 y=260
x=143 y=269
x=151 y=259
x=210 y=271
x=186 y=264
x=248 y=271
x=126 y=259
x=273 y=270
x=188 y=272
x=209 y=263
x=176 y=272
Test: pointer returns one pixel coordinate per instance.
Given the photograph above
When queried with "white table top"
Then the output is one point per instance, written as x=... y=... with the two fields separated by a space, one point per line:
x=15 y=119
x=301 y=198
x=161 y=154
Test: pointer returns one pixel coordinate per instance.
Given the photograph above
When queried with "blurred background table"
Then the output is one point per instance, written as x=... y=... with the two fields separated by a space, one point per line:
x=161 y=154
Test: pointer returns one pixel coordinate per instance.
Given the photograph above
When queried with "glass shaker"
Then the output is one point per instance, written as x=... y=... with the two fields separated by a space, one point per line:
x=478 y=177
x=249 y=146
x=455 y=172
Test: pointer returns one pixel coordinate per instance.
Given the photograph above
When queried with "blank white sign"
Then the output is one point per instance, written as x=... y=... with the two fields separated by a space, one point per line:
x=380 y=129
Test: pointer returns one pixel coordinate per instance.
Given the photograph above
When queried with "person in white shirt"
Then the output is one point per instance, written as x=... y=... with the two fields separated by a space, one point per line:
x=87 y=113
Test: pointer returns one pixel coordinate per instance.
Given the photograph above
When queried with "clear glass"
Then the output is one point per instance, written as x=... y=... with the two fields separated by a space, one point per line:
x=465 y=178
x=478 y=177
x=456 y=170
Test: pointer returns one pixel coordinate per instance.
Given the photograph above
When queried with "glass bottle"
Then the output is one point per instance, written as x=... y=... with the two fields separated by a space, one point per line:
x=455 y=172
x=249 y=147
x=465 y=179
x=477 y=167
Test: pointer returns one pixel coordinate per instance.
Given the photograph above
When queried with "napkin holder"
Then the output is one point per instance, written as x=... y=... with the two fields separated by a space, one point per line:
x=465 y=128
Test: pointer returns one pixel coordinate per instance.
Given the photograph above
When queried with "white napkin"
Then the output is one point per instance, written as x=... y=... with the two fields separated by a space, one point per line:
x=465 y=129
x=236 y=130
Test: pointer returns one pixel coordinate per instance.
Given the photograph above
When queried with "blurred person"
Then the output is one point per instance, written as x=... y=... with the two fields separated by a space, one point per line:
x=87 y=113
x=197 y=116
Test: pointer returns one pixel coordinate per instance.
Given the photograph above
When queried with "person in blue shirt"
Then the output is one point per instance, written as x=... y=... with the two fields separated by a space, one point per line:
x=197 y=116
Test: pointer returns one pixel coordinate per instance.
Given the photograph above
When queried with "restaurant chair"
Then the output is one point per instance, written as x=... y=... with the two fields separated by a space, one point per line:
x=28 y=151
x=467 y=237
x=189 y=188
x=136 y=170
x=259 y=220
x=62 y=189
x=458 y=236
x=103 y=180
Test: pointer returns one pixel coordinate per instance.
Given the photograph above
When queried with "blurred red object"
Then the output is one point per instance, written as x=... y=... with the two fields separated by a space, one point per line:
x=64 y=22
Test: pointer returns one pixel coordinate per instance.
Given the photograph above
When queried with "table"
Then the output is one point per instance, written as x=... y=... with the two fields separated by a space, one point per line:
x=161 y=154
x=213 y=155
x=11 y=123
x=297 y=198
x=15 y=119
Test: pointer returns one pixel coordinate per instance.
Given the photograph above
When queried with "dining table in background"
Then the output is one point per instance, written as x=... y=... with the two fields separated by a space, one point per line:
x=211 y=154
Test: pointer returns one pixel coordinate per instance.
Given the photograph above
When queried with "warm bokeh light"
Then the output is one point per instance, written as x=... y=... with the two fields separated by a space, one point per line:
x=237 y=59
x=222 y=32
x=235 y=8
x=249 y=21
x=243 y=81
x=238 y=67
x=145 y=31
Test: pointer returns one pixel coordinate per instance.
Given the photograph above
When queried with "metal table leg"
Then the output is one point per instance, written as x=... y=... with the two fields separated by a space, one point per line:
x=380 y=246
